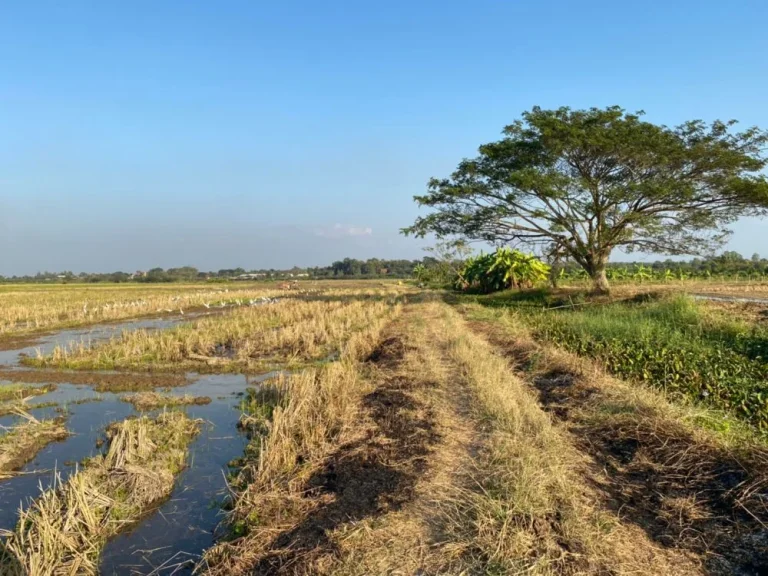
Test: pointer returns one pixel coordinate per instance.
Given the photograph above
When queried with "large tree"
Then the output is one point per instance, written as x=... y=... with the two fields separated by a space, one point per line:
x=580 y=183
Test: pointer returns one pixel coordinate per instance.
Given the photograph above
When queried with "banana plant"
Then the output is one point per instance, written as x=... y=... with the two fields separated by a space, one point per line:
x=502 y=269
x=641 y=273
x=420 y=272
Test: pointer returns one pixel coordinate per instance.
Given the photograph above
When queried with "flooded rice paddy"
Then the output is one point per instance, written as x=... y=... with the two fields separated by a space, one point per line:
x=172 y=536
x=45 y=344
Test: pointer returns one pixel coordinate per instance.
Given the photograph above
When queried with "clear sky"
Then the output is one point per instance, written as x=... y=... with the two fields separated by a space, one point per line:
x=267 y=134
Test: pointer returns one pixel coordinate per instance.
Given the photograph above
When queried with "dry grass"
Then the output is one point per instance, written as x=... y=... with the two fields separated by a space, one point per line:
x=19 y=444
x=18 y=392
x=318 y=405
x=757 y=288
x=144 y=401
x=13 y=397
x=293 y=330
x=63 y=531
x=531 y=511
x=26 y=308
x=431 y=457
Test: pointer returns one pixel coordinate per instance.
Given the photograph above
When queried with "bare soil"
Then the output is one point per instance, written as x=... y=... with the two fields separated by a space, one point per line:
x=365 y=478
x=100 y=381
x=19 y=342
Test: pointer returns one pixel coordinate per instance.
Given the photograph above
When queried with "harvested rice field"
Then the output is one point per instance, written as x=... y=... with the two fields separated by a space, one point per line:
x=378 y=428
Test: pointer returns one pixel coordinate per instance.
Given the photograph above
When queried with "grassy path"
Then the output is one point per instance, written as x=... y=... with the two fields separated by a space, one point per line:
x=430 y=452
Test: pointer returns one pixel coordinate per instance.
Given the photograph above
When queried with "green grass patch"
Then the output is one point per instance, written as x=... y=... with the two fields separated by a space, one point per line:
x=671 y=343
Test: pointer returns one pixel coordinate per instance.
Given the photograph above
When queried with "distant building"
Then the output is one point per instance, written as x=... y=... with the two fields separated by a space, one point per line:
x=251 y=276
x=139 y=274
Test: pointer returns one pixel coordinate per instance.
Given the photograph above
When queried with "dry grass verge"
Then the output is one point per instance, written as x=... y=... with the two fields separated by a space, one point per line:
x=18 y=445
x=315 y=409
x=63 y=531
x=524 y=508
x=151 y=400
x=691 y=481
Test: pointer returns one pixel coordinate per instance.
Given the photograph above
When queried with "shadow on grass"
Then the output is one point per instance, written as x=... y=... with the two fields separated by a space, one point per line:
x=364 y=478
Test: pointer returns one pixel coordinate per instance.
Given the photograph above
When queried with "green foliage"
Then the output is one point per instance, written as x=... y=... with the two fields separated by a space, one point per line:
x=724 y=267
x=669 y=344
x=583 y=182
x=503 y=268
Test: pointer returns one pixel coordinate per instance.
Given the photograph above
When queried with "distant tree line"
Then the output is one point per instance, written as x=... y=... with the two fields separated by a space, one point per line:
x=729 y=264
x=346 y=268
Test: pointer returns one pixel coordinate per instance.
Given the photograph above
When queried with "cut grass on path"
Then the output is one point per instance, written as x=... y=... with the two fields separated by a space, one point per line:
x=64 y=530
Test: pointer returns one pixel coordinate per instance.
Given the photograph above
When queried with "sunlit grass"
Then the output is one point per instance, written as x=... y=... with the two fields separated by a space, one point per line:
x=288 y=332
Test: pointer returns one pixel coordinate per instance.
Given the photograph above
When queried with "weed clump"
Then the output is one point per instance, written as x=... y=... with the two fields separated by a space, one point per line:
x=18 y=392
x=150 y=400
x=22 y=442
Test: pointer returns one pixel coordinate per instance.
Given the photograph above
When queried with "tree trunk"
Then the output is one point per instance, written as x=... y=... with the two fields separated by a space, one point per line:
x=600 y=280
x=553 y=272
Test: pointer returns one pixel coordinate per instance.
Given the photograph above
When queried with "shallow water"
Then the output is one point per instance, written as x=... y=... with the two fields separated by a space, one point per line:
x=91 y=334
x=180 y=528
x=86 y=422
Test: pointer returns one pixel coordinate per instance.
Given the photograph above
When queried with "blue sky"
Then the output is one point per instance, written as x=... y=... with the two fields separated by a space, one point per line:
x=221 y=134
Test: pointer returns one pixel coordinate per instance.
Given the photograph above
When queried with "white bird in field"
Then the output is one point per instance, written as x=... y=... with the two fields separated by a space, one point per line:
x=181 y=311
x=206 y=304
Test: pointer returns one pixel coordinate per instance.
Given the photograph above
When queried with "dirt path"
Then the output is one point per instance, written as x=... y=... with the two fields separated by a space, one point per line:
x=371 y=498
x=687 y=493
x=451 y=459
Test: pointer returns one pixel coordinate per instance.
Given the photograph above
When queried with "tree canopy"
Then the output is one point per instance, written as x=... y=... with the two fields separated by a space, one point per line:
x=580 y=183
